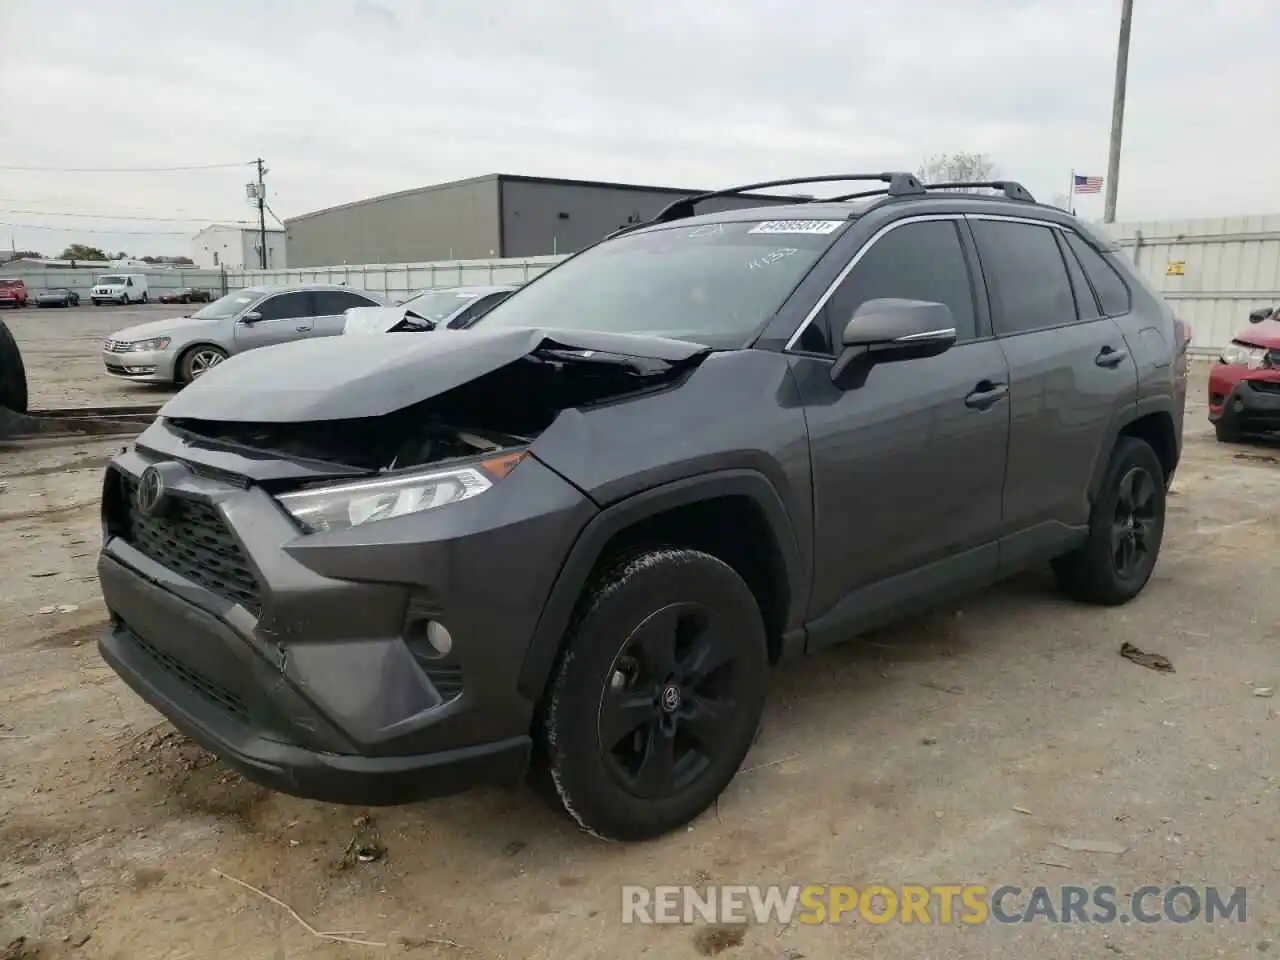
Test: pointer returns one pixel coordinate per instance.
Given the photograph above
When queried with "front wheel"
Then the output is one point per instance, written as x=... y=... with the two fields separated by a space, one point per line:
x=1126 y=528
x=656 y=696
x=199 y=360
x=1228 y=431
x=144 y=297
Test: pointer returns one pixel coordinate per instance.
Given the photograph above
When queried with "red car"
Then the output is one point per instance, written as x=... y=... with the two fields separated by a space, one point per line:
x=13 y=293
x=1244 y=385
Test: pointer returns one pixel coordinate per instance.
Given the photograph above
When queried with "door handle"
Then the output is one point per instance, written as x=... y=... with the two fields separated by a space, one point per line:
x=302 y=329
x=985 y=394
x=1110 y=357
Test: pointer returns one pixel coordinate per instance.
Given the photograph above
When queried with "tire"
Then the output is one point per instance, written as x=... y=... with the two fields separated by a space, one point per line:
x=1228 y=431
x=190 y=365
x=675 y=594
x=1128 y=515
x=144 y=297
x=13 y=374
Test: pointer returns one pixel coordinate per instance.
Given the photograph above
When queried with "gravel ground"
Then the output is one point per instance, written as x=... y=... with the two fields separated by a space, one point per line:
x=953 y=748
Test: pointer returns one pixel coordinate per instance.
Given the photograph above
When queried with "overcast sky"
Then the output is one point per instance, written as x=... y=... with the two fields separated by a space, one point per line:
x=346 y=99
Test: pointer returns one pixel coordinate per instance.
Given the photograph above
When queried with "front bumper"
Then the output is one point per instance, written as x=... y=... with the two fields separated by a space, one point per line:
x=141 y=366
x=313 y=677
x=1247 y=398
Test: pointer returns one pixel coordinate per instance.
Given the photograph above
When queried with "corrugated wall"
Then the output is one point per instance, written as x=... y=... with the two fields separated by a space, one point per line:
x=397 y=280
x=1213 y=272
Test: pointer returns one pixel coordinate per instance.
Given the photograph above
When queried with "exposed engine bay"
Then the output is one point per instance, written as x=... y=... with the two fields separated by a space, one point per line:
x=504 y=409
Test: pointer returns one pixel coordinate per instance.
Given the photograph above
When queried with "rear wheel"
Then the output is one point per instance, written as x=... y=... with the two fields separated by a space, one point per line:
x=198 y=360
x=656 y=696
x=144 y=296
x=1126 y=528
x=13 y=374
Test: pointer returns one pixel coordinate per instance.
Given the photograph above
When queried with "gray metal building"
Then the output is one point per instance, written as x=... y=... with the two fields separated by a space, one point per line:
x=497 y=215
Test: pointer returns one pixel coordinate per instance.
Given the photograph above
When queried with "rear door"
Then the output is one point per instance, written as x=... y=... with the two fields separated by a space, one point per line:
x=330 y=308
x=908 y=467
x=284 y=317
x=1071 y=380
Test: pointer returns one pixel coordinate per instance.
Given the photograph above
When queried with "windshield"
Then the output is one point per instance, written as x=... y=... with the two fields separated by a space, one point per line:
x=715 y=283
x=110 y=280
x=227 y=306
x=9 y=283
x=437 y=305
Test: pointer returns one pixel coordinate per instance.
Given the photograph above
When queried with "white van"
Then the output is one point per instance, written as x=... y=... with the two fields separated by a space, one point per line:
x=121 y=288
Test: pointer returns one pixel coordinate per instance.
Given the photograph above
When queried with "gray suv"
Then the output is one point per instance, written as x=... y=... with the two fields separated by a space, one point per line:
x=572 y=539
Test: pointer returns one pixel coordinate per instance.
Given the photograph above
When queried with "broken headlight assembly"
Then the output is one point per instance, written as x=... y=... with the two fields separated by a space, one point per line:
x=353 y=504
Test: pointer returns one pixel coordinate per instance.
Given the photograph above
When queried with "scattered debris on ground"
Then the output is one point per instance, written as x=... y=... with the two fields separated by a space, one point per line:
x=1089 y=846
x=1152 y=661
x=365 y=845
x=719 y=937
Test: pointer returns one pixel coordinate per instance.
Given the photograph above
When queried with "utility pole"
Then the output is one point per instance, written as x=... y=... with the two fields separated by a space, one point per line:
x=1117 y=112
x=262 y=216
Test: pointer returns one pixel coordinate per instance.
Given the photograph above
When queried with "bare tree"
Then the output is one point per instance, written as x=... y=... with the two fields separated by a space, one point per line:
x=957 y=167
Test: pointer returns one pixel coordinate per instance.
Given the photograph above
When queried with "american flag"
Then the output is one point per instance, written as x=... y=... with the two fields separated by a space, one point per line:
x=1088 y=184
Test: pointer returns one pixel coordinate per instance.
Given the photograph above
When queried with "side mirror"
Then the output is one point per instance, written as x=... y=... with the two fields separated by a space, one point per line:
x=253 y=316
x=887 y=331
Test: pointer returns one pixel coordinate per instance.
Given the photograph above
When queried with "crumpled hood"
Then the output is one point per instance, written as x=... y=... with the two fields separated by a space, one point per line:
x=367 y=320
x=1264 y=333
x=339 y=378
x=160 y=328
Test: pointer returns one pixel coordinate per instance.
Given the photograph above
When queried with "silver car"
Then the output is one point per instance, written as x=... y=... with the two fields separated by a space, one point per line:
x=452 y=307
x=179 y=350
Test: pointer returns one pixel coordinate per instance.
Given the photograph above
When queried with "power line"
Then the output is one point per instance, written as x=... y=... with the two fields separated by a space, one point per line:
x=122 y=233
x=204 y=166
x=120 y=216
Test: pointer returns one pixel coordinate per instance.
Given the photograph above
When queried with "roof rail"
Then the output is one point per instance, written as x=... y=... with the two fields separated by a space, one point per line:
x=1011 y=189
x=900 y=184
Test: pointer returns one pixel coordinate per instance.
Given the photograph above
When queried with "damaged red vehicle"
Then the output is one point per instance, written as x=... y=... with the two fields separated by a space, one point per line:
x=1244 y=385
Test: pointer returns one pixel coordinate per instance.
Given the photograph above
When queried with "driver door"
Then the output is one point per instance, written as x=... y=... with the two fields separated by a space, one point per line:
x=283 y=317
x=908 y=468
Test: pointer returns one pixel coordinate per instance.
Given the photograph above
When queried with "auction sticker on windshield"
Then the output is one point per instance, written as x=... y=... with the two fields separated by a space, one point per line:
x=797 y=226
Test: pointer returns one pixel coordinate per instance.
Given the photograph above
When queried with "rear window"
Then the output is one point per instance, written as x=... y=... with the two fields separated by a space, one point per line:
x=713 y=283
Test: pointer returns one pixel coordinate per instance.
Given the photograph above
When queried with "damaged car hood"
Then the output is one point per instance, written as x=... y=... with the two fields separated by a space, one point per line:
x=367 y=320
x=340 y=378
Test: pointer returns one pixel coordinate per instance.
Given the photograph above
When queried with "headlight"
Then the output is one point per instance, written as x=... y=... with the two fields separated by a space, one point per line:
x=155 y=343
x=354 y=504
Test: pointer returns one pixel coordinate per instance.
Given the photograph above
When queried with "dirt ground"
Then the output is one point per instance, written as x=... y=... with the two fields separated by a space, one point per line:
x=953 y=748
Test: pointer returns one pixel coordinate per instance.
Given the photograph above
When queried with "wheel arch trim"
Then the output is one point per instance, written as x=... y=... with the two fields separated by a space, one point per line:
x=592 y=540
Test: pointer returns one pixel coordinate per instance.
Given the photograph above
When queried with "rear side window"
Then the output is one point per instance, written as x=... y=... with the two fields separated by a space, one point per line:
x=1112 y=290
x=917 y=261
x=1086 y=303
x=1026 y=276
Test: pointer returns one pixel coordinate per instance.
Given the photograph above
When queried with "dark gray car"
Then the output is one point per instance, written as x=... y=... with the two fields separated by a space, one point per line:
x=577 y=535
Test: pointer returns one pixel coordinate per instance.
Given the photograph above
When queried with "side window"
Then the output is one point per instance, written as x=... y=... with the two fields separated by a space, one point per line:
x=917 y=261
x=286 y=306
x=1027 y=277
x=1112 y=290
x=330 y=303
x=1086 y=303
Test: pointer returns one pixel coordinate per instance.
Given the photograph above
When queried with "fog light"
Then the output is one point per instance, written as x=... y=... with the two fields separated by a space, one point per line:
x=140 y=370
x=439 y=638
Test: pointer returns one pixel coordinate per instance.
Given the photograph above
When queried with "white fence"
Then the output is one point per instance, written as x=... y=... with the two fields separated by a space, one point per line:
x=1213 y=272
x=398 y=280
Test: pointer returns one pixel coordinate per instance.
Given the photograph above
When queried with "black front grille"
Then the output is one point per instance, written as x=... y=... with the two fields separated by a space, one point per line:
x=446 y=680
x=1264 y=386
x=191 y=539
x=215 y=693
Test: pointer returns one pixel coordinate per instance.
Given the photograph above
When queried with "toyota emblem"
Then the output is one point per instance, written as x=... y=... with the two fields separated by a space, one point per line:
x=151 y=491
